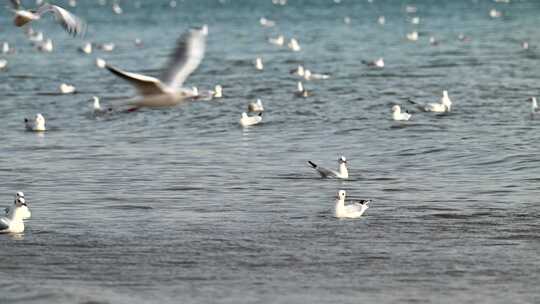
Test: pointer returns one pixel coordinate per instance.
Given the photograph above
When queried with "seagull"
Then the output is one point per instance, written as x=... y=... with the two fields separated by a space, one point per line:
x=67 y=88
x=444 y=106
x=343 y=173
x=294 y=45
x=256 y=106
x=308 y=75
x=45 y=46
x=379 y=63
x=97 y=108
x=381 y=20
x=301 y=91
x=433 y=41
x=100 y=63
x=5 y=49
x=106 y=47
x=259 y=64
x=13 y=221
x=413 y=36
x=167 y=90
x=398 y=115
x=218 y=92
x=266 y=22
x=38 y=125
x=71 y=23
x=3 y=63
x=86 y=48
x=300 y=71
x=246 y=120
x=117 y=9
x=534 y=105
x=26 y=214
x=354 y=210
x=279 y=40
x=493 y=13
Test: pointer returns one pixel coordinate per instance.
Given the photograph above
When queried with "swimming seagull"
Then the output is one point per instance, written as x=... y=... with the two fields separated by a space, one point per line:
x=218 y=92
x=246 y=120
x=86 y=48
x=3 y=63
x=259 y=64
x=279 y=41
x=445 y=105
x=26 y=214
x=38 y=125
x=71 y=23
x=101 y=63
x=67 y=88
x=354 y=210
x=379 y=63
x=256 y=106
x=167 y=90
x=398 y=115
x=45 y=46
x=301 y=91
x=13 y=222
x=534 y=105
x=300 y=71
x=413 y=36
x=308 y=75
x=294 y=45
x=266 y=22
x=381 y=20
x=342 y=172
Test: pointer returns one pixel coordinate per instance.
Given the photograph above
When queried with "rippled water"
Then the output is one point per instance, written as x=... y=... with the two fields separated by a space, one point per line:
x=182 y=205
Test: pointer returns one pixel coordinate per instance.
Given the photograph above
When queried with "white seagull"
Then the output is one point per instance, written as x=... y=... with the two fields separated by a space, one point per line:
x=279 y=40
x=218 y=91
x=294 y=45
x=444 y=106
x=379 y=63
x=26 y=214
x=342 y=172
x=13 y=221
x=3 y=63
x=67 y=88
x=354 y=210
x=301 y=91
x=246 y=120
x=308 y=75
x=413 y=36
x=86 y=48
x=256 y=106
x=534 y=105
x=259 y=64
x=398 y=115
x=71 y=23
x=38 y=125
x=167 y=90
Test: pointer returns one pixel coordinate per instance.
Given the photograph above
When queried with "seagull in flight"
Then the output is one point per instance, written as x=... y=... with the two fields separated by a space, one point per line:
x=71 y=23
x=167 y=89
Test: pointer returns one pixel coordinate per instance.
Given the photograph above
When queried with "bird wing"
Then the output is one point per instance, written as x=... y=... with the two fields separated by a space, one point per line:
x=186 y=58
x=71 y=23
x=3 y=224
x=145 y=85
x=325 y=172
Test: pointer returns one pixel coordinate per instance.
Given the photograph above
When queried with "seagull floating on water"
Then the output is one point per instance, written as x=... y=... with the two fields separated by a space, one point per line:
x=413 y=36
x=294 y=45
x=398 y=115
x=259 y=64
x=67 y=88
x=354 y=210
x=308 y=75
x=38 y=125
x=86 y=48
x=266 y=22
x=246 y=120
x=46 y=46
x=13 y=221
x=167 y=90
x=218 y=92
x=256 y=106
x=71 y=23
x=381 y=20
x=106 y=47
x=379 y=63
x=3 y=64
x=25 y=212
x=100 y=63
x=342 y=172
x=301 y=91
x=534 y=105
x=445 y=105
x=279 y=40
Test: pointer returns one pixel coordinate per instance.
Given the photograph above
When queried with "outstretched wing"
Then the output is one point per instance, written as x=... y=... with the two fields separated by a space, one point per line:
x=71 y=23
x=186 y=58
x=145 y=85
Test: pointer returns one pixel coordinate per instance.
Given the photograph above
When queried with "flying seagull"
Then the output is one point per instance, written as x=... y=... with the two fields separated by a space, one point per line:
x=71 y=23
x=167 y=89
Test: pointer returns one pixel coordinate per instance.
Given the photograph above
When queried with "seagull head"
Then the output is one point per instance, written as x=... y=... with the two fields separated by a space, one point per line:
x=341 y=194
x=396 y=109
x=342 y=160
x=20 y=202
x=19 y=195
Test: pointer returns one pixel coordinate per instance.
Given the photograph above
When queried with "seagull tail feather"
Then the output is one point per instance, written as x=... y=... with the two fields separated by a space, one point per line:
x=312 y=164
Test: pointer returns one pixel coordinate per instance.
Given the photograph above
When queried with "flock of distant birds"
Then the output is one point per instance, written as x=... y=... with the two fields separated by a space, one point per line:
x=168 y=90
